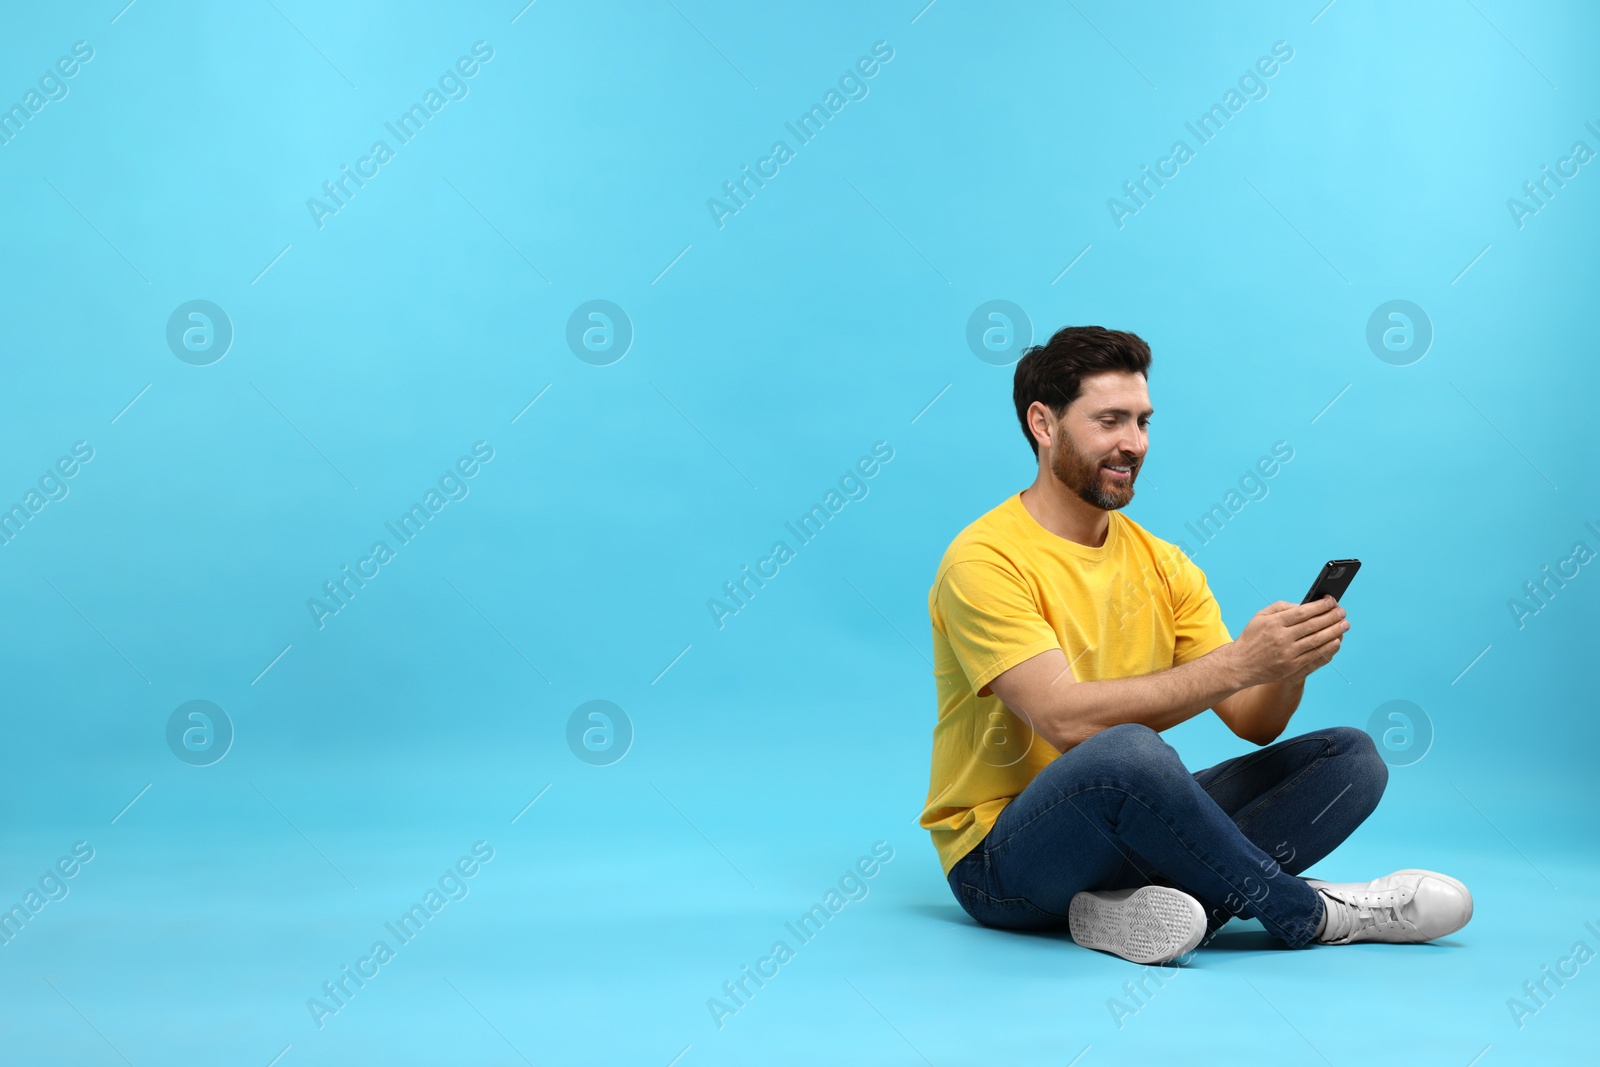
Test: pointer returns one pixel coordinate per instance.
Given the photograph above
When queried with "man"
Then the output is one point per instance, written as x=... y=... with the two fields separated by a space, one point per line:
x=1066 y=637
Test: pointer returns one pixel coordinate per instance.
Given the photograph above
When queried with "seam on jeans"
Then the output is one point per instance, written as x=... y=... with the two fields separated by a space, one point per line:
x=985 y=895
x=988 y=856
x=1257 y=756
x=1173 y=830
x=1003 y=904
x=1278 y=791
x=977 y=853
x=1265 y=920
x=1035 y=817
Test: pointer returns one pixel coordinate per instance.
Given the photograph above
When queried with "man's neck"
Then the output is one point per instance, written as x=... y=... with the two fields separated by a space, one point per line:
x=1063 y=512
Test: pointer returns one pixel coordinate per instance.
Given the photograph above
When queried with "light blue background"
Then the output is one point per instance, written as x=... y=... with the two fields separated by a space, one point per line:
x=768 y=356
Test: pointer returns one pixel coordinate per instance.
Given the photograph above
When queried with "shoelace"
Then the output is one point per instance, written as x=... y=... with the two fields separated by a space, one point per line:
x=1377 y=910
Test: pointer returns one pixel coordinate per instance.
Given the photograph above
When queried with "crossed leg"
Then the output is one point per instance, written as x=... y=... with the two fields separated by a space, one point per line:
x=1120 y=810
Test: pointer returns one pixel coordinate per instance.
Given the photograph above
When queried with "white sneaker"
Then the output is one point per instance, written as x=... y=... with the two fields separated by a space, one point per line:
x=1405 y=907
x=1150 y=924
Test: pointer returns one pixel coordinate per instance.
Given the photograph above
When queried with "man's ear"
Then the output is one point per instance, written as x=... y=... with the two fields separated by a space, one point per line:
x=1039 y=422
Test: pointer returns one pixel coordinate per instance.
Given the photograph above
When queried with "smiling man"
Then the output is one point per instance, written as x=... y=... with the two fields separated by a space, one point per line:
x=1066 y=638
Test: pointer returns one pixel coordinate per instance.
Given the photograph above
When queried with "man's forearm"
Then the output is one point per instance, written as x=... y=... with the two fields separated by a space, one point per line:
x=1269 y=707
x=1159 y=700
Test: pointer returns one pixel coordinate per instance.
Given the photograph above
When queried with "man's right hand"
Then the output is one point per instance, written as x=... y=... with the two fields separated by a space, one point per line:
x=1289 y=640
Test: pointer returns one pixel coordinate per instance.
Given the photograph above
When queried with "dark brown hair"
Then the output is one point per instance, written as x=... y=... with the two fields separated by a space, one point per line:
x=1053 y=372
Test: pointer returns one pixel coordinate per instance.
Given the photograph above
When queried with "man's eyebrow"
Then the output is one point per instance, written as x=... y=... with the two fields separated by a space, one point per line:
x=1122 y=411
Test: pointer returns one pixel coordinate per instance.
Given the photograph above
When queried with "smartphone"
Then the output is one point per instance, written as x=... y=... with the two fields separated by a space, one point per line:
x=1334 y=579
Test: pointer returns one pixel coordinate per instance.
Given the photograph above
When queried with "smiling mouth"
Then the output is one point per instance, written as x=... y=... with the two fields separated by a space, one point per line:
x=1118 y=472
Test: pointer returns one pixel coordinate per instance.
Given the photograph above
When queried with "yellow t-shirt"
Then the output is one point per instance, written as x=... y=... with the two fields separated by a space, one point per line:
x=1007 y=589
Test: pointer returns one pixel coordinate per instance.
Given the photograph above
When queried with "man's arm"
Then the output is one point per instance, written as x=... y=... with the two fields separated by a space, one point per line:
x=1260 y=713
x=1065 y=711
x=1282 y=642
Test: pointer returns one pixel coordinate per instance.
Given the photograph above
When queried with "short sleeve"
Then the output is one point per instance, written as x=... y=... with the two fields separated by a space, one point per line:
x=1197 y=619
x=990 y=619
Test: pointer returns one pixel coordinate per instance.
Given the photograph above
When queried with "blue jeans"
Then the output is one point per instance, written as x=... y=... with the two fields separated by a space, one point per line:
x=1120 y=810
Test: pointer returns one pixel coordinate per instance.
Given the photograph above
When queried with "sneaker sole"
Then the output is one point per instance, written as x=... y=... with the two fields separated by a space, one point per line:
x=1151 y=924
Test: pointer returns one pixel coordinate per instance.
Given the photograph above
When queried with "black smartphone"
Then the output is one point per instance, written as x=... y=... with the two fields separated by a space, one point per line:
x=1334 y=579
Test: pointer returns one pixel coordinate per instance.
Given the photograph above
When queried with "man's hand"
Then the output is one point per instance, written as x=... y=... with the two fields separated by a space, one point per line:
x=1289 y=641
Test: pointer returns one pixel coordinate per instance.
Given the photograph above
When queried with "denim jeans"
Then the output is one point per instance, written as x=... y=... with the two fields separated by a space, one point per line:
x=1120 y=810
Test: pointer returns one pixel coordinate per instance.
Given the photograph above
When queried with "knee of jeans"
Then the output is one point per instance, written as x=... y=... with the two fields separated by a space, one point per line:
x=1360 y=751
x=1136 y=751
x=1130 y=733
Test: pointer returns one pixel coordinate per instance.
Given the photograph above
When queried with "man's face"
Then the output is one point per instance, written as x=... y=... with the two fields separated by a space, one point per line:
x=1106 y=428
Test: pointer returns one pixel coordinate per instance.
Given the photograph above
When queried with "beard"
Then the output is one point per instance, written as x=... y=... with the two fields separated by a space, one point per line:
x=1083 y=476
